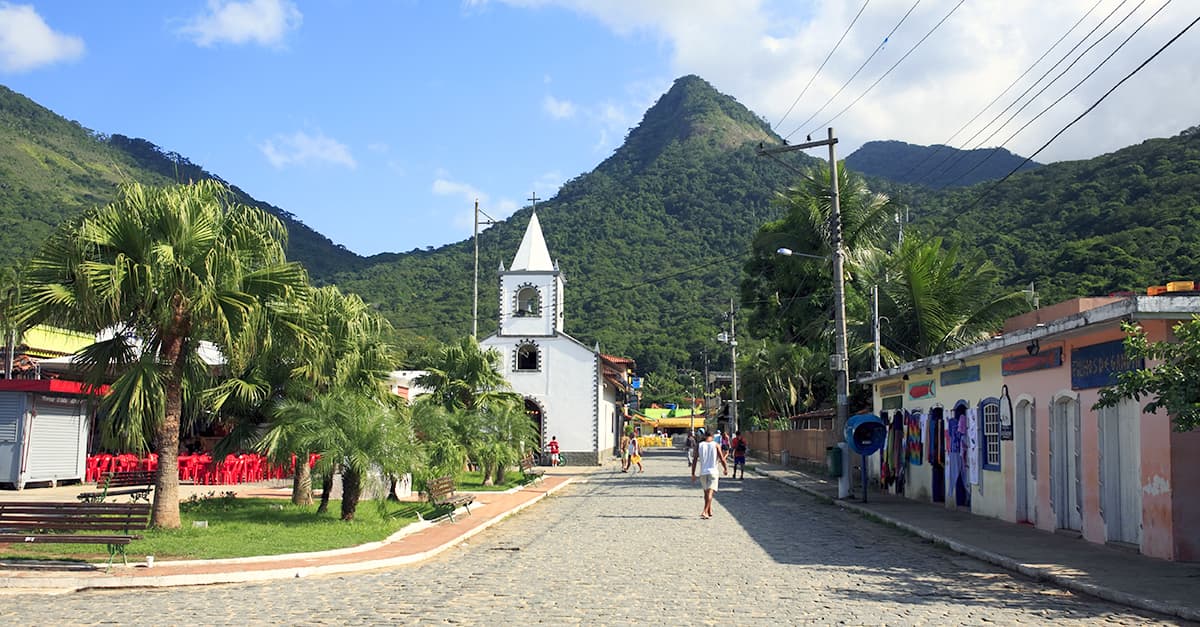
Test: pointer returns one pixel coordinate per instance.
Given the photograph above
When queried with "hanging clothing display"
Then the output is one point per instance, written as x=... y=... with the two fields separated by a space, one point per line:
x=972 y=462
x=912 y=440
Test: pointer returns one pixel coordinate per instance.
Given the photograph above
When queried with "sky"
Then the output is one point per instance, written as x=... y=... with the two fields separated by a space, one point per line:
x=379 y=123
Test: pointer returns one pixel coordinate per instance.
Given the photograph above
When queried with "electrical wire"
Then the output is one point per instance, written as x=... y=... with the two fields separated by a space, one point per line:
x=954 y=158
x=827 y=57
x=860 y=69
x=1085 y=112
x=889 y=70
x=1068 y=92
x=946 y=143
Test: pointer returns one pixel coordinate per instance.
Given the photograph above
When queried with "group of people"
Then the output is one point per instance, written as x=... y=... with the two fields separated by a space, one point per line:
x=631 y=454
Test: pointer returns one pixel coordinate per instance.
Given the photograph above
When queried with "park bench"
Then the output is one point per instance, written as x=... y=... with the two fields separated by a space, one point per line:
x=136 y=483
x=441 y=493
x=33 y=522
x=529 y=468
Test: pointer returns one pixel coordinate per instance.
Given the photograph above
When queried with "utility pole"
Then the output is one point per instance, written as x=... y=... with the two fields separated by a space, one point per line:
x=733 y=402
x=875 y=324
x=475 y=300
x=838 y=360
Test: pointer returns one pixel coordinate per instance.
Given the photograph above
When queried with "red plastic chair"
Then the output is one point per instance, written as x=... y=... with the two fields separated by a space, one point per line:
x=228 y=470
x=150 y=462
x=91 y=473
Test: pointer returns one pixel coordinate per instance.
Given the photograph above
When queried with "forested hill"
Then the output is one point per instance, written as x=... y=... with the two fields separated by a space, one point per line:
x=52 y=168
x=933 y=166
x=651 y=242
x=1120 y=221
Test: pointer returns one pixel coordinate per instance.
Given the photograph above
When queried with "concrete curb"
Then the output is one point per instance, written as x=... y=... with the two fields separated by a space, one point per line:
x=245 y=576
x=1034 y=572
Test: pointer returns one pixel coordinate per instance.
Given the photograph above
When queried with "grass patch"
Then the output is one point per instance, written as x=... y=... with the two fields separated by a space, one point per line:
x=472 y=480
x=243 y=528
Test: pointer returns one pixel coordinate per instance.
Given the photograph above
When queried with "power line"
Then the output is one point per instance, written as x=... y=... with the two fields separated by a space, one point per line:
x=827 y=57
x=860 y=69
x=954 y=159
x=1068 y=92
x=889 y=70
x=946 y=143
x=1085 y=112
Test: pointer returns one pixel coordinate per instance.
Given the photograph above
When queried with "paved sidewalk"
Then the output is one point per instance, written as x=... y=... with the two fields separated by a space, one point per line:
x=1112 y=574
x=412 y=544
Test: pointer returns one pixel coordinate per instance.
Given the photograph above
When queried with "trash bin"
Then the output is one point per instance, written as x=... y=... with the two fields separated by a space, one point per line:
x=833 y=459
x=784 y=457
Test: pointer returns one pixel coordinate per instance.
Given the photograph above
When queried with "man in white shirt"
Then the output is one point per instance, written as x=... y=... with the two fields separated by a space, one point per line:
x=708 y=455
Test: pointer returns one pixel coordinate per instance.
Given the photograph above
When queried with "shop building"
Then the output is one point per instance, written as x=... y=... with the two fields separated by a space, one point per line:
x=1007 y=428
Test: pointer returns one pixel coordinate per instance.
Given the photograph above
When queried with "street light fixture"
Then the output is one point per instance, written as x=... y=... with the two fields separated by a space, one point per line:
x=837 y=361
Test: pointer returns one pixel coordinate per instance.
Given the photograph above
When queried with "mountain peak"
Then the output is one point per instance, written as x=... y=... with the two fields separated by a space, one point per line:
x=935 y=166
x=692 y=110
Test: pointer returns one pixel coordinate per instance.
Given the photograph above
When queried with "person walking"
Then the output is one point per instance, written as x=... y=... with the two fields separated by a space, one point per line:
x=708 y=455
x=625 y=452
x=635 y=455
x=691 y=447
x=739 y=454
x=553 y=448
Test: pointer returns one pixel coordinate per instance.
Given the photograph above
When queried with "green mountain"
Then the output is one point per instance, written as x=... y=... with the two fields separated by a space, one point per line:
x=52 y=169
x=1118 y=222
x=651 y=242
x=936 y=166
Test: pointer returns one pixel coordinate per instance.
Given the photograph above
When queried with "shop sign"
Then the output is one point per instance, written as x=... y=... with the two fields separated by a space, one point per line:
x=892 y=402
x=1022 y=362
x=1006 y=415
x=921 y=389
x=961 y=375
x=891 y=389
x=1098 y=365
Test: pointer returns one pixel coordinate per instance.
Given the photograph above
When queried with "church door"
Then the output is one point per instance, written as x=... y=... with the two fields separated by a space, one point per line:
x=535 y=414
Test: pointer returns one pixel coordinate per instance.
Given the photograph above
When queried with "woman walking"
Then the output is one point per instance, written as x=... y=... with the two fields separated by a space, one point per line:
x=635 y=454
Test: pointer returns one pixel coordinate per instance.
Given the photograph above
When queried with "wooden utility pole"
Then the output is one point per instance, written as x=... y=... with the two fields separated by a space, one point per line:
x=475 y=300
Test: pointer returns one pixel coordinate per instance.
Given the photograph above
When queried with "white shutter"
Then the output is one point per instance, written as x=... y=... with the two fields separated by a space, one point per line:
x=54 y=441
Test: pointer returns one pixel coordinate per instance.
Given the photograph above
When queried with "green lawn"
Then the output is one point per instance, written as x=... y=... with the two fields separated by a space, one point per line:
x=241 y=528
x=473 y=481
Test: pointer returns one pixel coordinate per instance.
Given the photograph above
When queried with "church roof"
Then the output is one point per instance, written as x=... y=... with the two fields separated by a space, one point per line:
x=533 y=254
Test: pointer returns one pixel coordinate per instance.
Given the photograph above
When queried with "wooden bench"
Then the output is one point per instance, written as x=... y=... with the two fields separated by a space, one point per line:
x=530 y=470
x=32 y=522
x=441 y=493
x=138 y=484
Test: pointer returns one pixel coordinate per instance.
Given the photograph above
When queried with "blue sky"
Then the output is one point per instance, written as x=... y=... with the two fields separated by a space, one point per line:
x=377 y=123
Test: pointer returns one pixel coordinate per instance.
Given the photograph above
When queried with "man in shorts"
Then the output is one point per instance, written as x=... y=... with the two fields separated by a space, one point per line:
x=739 y=454
x=708 y=455
x=553 y=447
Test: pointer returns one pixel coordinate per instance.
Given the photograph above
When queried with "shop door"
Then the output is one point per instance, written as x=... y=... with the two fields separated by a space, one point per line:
x=1120 y=472
x=1066 y=494
x=1025 y=436
x=56 y=440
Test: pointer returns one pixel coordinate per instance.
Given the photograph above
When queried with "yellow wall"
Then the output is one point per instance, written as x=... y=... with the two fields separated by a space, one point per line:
x=47 y=341
x=989 y=498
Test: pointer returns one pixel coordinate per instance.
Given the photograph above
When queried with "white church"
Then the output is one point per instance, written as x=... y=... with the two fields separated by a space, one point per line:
x=572 y=392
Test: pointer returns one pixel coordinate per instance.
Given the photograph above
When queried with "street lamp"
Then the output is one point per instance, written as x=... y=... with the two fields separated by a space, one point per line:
x=838 y=360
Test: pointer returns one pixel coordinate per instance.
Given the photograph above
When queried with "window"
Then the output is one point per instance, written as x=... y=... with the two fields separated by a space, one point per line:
x=529 y=302
x=991 y=434
x=527 y=357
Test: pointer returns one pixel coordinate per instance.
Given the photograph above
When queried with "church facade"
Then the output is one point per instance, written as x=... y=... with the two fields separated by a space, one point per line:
x=566 y=391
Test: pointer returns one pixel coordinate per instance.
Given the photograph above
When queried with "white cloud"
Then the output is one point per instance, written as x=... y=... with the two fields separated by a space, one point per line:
x=764 y=51
x=301 y=148
x=263 y=22
x=27 y=42
x=445 y=187
x=378 y=147
x=558 y=109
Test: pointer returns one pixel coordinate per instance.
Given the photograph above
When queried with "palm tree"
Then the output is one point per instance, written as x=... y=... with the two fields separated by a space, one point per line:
x=162 y=268
x=10 y=323
x=507 y=435
x=354 y=434
x=938 y=298
x=464 y=376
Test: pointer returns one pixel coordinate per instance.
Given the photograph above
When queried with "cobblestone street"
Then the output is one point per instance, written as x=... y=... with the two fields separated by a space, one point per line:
x=621 y=549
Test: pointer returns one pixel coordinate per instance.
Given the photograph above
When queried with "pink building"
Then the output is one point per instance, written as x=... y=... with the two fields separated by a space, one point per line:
x=1116 y=475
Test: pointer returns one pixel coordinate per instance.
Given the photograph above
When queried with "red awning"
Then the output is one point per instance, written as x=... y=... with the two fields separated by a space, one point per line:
x=50 y=386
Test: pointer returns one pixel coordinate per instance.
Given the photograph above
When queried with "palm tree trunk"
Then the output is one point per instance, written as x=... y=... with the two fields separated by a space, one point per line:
x=165 y=512
x=302 y=493
x=326 y=488
x=351 y=490
x=499 y=474
x=487 y=473
x=391 y=495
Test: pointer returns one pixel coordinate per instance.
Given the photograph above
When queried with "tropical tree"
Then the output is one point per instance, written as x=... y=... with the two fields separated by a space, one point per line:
x=507 y=435
x=781 y=379
x=1172 y=382
x=354 y=433
x=10 y=321
x=161 y=269
x=464 y=376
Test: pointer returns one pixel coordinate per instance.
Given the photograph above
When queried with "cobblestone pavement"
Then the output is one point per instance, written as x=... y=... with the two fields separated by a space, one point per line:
x=621 y=549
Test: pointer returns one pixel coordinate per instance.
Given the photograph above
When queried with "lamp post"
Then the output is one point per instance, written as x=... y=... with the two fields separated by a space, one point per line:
x=475 y=300
x=838 y=360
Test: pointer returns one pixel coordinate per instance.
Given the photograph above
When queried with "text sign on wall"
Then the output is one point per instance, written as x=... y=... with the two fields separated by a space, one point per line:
x=891 y=389
x=961 y=375
x=1098 y=365
x=892 y=402
x=1021 y=362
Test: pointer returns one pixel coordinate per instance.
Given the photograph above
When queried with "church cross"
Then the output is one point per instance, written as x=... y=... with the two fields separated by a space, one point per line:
x=533 y=199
